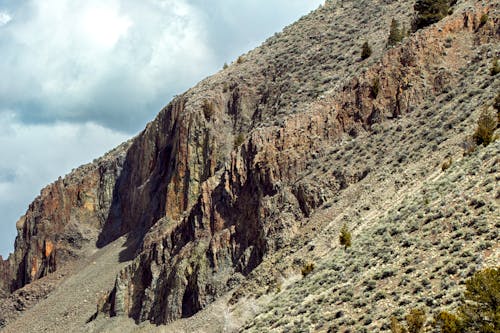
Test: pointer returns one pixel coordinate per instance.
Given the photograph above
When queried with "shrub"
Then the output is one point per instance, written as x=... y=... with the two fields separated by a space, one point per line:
x=208 y=109
x=415 y=320
x=429 y=12
x=396 y=326
x=307 y=268
x=240 y=138
x=225 y=66
x=446 y=164
x=484 y=19
x=240 y=60
x=375 y=87
x=446 y=322
x=495 y=67
x=395 y=34
x=486 y=125
x=345 y=237
x=469 y=145
x=366 y=51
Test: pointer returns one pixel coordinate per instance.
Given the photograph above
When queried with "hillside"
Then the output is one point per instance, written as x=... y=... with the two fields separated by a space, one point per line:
x=206 y=220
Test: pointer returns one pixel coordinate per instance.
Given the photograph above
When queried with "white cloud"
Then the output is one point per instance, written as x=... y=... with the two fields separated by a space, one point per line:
x=115 y=62
x=104 y=25
x=4 y=18
x=35 y=155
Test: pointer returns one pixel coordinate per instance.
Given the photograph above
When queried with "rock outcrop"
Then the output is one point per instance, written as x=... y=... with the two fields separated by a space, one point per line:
x=66 y=216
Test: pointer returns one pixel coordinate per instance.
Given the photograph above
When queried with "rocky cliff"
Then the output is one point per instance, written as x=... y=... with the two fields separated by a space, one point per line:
x=63 y=219
x=228 y=189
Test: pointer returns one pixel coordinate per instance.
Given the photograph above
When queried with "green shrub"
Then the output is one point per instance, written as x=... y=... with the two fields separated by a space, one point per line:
x=429 y=12
x=486 y=125
x=446 y=322
x=415 y=320
x=345 y=237
x=395 y=34
x=307 y=268
x=366 y=51
x=396 y=326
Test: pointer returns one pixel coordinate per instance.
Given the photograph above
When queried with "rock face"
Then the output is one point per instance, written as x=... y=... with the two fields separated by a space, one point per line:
x=66 y=216
x=215 y=183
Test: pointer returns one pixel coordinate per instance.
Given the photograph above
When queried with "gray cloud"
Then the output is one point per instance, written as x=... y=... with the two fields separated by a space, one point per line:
x=80 y=76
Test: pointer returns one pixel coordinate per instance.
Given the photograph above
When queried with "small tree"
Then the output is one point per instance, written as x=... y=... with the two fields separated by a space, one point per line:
x=366 y=51
x=345 y=237
x=395 y=35
x=481 y=311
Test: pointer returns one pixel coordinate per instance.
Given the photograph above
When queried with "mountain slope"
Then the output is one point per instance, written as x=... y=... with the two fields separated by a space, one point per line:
x=245 y=178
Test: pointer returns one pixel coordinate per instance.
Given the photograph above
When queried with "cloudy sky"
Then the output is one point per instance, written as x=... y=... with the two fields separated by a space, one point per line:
x=78 y=77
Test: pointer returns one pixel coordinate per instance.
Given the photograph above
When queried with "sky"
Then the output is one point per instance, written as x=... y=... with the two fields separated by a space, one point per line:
x=78 y=77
